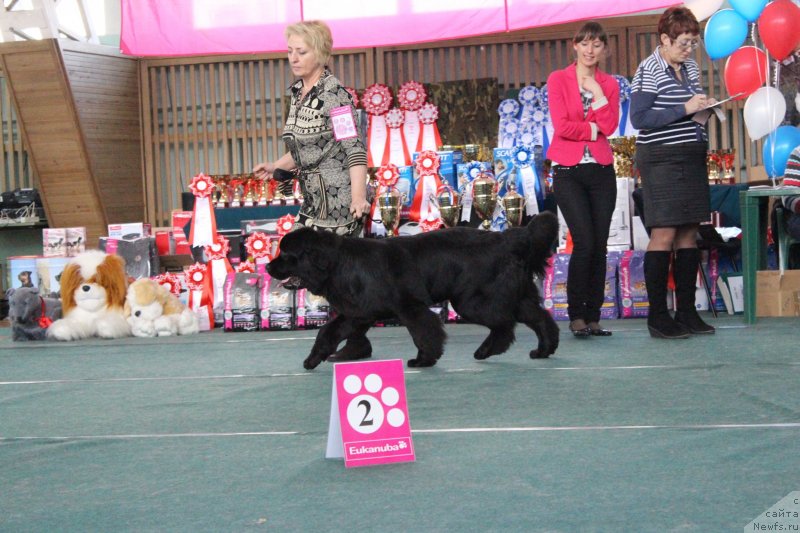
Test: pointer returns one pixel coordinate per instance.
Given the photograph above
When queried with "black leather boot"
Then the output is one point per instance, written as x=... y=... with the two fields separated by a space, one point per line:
x=659 y=321
x=686 y=262
x=354 y=349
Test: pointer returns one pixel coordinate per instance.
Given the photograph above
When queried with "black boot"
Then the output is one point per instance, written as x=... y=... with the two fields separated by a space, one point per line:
x=354 y=349
x=659 y=321
x=686 y=262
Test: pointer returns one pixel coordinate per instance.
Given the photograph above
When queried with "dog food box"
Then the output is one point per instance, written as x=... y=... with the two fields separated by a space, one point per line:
x=76 y=241
x=22 y=270
x=48 y=270
x=610 y=309
x=555 y=286
x=241 y=300
x=129 y=231
x=632 y=290
x=311 y=311
x=140 y=255
x=405 y=184
x=54 y=242
x=277 y=304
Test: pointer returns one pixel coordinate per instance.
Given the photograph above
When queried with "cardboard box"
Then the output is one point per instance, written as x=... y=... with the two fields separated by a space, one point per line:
x=22 y=271
x=619 y=233
x=76 y=241
x=778 y=293
x=54 y=242
x=129 y=231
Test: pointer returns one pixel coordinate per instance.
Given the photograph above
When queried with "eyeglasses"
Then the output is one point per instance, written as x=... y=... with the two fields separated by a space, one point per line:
x=691 y=44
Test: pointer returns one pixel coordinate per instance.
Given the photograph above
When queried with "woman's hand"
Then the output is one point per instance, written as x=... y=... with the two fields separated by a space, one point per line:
x=696 y=103
x=264 y=170
x=359 y=207
x=588 y=83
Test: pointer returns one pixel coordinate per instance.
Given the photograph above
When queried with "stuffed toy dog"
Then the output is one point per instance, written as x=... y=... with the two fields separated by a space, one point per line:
x=31 y=314
x=153 y=311
x=93 y=287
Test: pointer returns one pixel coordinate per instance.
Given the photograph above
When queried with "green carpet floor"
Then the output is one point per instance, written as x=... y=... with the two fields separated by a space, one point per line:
x=227 y=432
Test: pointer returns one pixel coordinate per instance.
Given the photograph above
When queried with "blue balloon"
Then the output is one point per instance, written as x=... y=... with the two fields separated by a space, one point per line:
x=749 y=9
x=726 y=31
x=778 y=147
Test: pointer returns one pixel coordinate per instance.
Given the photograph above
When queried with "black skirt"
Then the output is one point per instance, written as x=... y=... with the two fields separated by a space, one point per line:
x=674 y=183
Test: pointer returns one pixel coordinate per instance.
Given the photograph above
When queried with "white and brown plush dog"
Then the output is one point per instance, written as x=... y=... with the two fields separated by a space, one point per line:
x=153 y=311
x=93 y=288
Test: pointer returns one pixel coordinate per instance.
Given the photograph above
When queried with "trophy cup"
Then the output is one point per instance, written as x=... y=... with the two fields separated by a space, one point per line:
x=263 y=191
x=221 y=190
x=389 y=204
x=513 y=204
x=249 y=190
x=236 y=184
x=447 y=202
x=713 y=164
x=727 y=156
x=484 y=198
x=624 y=149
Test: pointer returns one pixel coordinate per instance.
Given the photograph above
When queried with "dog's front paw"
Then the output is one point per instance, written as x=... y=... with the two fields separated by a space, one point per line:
x=539 y=354
x=421 y=362
x=312 y=362
x=481 y=354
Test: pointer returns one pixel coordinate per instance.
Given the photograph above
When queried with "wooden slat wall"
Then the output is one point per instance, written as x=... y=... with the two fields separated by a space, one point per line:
x=15 y=169
x=223 y=114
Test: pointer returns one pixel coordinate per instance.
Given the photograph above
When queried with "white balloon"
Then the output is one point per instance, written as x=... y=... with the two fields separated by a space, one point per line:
x=703 y=9
x=764 y=111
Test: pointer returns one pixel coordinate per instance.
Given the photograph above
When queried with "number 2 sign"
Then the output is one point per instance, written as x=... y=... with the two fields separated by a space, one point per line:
x=369 y=415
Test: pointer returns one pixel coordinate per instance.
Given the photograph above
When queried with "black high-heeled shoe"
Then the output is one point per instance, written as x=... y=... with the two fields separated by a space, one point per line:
x=583 y=332
x=597 y=331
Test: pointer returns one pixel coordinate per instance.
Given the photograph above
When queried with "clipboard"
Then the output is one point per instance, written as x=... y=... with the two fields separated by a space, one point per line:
x=737 y=95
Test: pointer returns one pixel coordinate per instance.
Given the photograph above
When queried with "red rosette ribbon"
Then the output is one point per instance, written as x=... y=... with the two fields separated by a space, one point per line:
x=285 y=224
x=353 y=95
x=394 y=118
x=430 y=224
x=204 y=222
x=219 y=249
x=201 y=296
x=411 y=96
x=247 y=267
x=429 y=138
x=258 y=245
x=377 y=99
x=170 y=281
x=428 y=163
x=387 y=176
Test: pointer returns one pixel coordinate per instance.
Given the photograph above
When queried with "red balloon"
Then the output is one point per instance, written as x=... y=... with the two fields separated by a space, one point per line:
x=745 y=71
x=779 y=27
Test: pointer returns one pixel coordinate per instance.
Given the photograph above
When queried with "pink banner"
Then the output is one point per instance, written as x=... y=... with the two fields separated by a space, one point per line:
x=197 y=27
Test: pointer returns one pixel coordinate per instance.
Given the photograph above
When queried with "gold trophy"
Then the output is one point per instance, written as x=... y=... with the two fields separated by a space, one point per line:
x=513 y=204
x=624 y=149
x=484 y=198
x=389 y=204
x=713 y=164
x=249 y=190
x=449 y=209
x=222 y=197
x=263 y=191
x=728 y=158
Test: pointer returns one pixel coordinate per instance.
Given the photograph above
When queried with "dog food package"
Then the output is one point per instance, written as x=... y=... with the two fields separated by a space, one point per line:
x=23 y=272
x=140 y=255
x=268 y=226
x=610 y=309
x=277 y=304
x=76 y=241
x=241 y=300
x=405 y=184
x=632 y=290
x=49 y=271
x=555 y=286
x=129 y=231
x=311 y=311
x=54 y=242
x=452 y=315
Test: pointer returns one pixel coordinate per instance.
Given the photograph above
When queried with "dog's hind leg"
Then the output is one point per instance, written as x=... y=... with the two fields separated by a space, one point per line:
x=428 y=334
x=329 y=337
x=540 y=321
x=499 y=340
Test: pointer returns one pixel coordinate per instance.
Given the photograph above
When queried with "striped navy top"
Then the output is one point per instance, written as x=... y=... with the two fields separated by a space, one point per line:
x=657 y=98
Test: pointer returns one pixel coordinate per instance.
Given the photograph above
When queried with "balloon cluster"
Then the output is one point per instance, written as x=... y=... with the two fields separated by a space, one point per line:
x=746 y=70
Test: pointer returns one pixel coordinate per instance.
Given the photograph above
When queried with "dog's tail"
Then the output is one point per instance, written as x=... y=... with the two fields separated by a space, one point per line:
x=542 y=233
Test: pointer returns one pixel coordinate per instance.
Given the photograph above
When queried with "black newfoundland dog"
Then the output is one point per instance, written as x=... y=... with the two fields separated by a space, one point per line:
x=486 y=276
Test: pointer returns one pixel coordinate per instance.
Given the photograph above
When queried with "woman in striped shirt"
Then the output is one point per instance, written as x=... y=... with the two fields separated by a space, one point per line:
x=671 y=156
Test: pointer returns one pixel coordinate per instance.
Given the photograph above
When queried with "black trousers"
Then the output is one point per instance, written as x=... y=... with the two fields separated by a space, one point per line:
x=586 y=195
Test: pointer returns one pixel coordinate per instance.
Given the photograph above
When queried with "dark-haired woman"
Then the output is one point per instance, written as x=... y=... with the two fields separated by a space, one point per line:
x=584 y=106
x=671 y=156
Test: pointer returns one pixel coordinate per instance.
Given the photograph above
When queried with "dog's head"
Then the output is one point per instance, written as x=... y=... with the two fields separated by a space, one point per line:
x=306 y=255
x=93 y=281
x=24 y=305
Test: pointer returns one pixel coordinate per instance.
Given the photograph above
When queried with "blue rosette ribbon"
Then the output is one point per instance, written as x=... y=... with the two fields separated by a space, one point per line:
x=529 y=96
x=527 y=180
x=624 y=101
x=509 y=131
x=508 y=109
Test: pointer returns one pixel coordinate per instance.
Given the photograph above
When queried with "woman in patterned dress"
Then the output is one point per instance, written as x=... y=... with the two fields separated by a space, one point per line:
x=332 y=168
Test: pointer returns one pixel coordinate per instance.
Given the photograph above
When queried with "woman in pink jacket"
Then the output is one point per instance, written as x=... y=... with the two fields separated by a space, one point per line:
x=584 y=107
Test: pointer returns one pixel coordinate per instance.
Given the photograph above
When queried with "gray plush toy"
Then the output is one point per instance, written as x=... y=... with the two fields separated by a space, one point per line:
x=31 y=314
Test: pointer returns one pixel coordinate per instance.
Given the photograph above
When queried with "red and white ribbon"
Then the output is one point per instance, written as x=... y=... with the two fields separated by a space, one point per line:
x=353 y=95
x=246 y=266
x=198 y=281
x=204 y=223
x=411 y=97
x=259 y=247
x=170 y=281
x=376 y=100
x=429 y=138
x=387 y=177
x=217 y=255
x=285 y=224
x=422 y=208
x=396 y=151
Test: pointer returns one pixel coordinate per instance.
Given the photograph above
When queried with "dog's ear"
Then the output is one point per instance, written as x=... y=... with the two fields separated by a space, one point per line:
x=71 y=279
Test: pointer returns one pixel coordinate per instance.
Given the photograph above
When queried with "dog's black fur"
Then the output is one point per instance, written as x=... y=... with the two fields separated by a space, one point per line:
x=486 y=276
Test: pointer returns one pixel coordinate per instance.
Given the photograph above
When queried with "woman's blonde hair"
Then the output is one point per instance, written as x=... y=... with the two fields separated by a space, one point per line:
x=317 y=35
